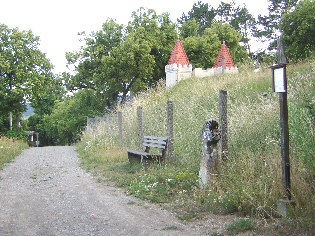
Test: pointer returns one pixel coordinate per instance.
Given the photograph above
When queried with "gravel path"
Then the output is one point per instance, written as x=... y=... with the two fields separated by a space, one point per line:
x=45 y=192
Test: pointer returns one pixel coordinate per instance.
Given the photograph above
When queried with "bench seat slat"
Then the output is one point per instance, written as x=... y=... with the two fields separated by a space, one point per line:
x=139 y=153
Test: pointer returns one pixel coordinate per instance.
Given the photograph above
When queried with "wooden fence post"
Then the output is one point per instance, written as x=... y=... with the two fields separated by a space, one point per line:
x=140 y=126
x=106 y=123
x=87 y=123
x=170 y=132
x=120 y=135
x=223 y=124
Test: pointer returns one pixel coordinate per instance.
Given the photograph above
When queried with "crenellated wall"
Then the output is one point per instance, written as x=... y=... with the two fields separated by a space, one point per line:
x=200 y=73
x=176 y=73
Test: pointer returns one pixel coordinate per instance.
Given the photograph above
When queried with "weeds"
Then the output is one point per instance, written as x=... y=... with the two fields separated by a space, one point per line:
x=239 y=226
x=9 y=149
x=250 y=181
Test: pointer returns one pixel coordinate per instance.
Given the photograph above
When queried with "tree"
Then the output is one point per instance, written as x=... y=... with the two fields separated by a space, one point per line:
x=68 y=117
x=89 y=61
x=202 y=13
x=225 y=12
x=271 y=22
x=203 y=50
x=232 y=38
x=43 y=105
x=189 y=28
x=298 y=29
x=24 y=69
x=244 y=23
x=130 y=60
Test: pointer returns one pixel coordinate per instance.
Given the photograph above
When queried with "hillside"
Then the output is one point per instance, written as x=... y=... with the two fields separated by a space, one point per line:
x=250 y=180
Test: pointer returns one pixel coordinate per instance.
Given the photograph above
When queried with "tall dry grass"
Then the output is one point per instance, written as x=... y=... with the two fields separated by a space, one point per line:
x=251 y=178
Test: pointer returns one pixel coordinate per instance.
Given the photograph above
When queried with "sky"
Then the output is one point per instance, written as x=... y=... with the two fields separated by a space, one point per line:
x=57 y=22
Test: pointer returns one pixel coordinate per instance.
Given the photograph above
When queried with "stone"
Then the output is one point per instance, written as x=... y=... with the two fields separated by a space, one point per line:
x=283 y=206
x=210 y=135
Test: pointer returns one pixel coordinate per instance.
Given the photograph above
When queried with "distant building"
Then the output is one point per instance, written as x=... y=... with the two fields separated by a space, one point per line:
x=223 y=64
x=179 y=68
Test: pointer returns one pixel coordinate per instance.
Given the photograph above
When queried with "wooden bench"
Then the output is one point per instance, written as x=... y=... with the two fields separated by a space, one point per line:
x=145 y=158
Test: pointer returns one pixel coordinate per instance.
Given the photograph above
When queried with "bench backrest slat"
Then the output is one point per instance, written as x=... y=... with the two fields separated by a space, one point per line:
x=155 y=142
x=153 y=146
x=156 y=138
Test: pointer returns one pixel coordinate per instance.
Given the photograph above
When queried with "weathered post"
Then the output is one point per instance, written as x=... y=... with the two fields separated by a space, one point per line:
x=87 y=123
x=210 y=136
x=37 y=141
x=120 y=135
x=10 y=120
x=107 y=120
x=223 y=124
x=170 y=131
x=279 y=85
x=140 y=126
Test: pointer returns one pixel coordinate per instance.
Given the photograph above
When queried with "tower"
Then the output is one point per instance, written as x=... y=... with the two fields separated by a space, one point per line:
x=224 y=58
x=178 y=67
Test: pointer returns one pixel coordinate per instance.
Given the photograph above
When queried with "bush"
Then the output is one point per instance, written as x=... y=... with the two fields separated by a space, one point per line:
x=16 y=134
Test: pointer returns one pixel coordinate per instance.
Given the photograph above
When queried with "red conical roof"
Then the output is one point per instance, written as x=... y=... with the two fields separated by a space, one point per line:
x=224 y=52
x=178 y=55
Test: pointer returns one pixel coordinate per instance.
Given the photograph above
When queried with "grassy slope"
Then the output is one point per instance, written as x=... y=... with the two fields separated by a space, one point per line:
x=9 y=149
x=246 y=183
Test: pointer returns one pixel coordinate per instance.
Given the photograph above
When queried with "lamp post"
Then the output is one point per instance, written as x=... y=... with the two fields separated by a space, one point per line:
x=279 y=85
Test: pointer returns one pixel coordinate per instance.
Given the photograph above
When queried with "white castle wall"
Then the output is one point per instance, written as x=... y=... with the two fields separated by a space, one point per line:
x=200 y=73
x=176 y=73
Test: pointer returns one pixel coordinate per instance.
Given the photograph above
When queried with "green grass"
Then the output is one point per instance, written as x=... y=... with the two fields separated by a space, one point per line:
x=246 y=183
x=239 y=226
x=9 y=149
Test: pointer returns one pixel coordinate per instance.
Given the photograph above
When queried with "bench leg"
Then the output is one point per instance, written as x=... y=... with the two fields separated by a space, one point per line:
x=134 y=159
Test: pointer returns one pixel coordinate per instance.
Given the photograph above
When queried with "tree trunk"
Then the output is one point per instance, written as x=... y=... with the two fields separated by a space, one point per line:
x=248 y=47
x=18 y=119
x=10 y=114
x=10 y=120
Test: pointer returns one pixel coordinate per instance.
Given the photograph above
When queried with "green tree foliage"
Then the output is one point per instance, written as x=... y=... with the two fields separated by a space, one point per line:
x=68 y=117
x=202 y=16
x=271 y=22
x=202 y=13
x=43 y=106
x=203 y=50
x=226 y=11
x=117 y=60
x=244 y=23
x=298 y=29
x=89 y=62
x=24 y=69
x=189 y=28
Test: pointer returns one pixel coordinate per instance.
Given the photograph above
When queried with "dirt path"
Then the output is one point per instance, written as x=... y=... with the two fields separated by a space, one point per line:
x=45 y=192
